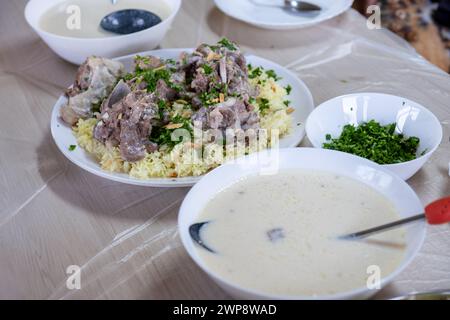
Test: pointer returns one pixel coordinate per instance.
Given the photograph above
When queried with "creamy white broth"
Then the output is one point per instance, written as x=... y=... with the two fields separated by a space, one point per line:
x=303 y=211
x=92 y=11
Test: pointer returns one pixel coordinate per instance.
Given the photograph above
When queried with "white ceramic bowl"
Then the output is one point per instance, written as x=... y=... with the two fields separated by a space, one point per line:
x=76 y=50
x=412 y=120
x=365 y=171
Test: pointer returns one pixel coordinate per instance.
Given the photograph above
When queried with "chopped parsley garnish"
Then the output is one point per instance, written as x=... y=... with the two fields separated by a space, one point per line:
x=375 y=142
x=273 y=75
x=288 y=89
x=72 y=147
x=162 y=104
x=287 y=103
x=263 y=105
x=207 y=69
x=227 y=44
x=151 y=76
x=254 y=73
x=163 y=135
x=211 y=97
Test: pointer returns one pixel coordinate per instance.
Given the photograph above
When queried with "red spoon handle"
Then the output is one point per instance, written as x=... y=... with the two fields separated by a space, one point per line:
x=438 y=212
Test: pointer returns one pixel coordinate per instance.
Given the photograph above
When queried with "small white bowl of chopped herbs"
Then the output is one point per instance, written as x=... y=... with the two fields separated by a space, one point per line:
x=395 y=132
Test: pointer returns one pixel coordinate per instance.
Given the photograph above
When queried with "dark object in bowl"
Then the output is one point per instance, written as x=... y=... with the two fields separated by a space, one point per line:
x=442 y=13
x=129 y=21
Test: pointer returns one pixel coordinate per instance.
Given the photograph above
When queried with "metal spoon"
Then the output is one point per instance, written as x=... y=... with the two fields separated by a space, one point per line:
x=437 y=212
x=292 y=6
x=194 y=232
x=129 y=21
x=300 y=6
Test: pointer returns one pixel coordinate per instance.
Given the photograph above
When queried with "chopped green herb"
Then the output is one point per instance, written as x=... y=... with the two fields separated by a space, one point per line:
x=287 y=103
x=151 y=76
x=288 y=89
x=162 y=104
x=163 y=135
x=208 y=69
x=273 y=75
x=375 y=142
x=254 y=73
x=72 y=147
x=211 y=97
x=227 y=44
x=263 y=105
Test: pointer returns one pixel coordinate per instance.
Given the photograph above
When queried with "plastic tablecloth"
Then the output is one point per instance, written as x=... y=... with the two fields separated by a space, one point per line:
x=124 y=238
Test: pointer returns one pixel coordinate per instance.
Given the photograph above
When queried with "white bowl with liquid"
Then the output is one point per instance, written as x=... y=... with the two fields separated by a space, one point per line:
x=392 y=187
x=55 y=21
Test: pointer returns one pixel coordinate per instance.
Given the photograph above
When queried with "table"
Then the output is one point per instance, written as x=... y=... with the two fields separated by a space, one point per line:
x=54 y=215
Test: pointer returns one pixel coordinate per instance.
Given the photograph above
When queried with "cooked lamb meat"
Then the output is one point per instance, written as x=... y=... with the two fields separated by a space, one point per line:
x=120 y=91
x=129 y=122
x=164 y=92
x=204 y=50
x=131 y=146
x=178 y=77
x=82 y=80
x=107 y=129
x=151 y=147
x=232 y=113
x=222 y=117
x=200 y=82
x=151 y=62
x=224 y=65
x=94 y=81
x=200 y=118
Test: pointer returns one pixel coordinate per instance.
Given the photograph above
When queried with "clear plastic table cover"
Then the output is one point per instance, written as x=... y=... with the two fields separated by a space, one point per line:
x=124 y=238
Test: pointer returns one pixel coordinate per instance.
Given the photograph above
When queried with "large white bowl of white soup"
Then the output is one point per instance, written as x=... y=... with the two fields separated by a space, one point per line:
x=273 y=220
x=71 y=28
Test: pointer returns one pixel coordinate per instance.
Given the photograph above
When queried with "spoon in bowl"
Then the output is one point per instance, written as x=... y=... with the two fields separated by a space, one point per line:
x=437 y=212
x=300 y=6
x=194 y=232
x=129 y=20
x=291 y=6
